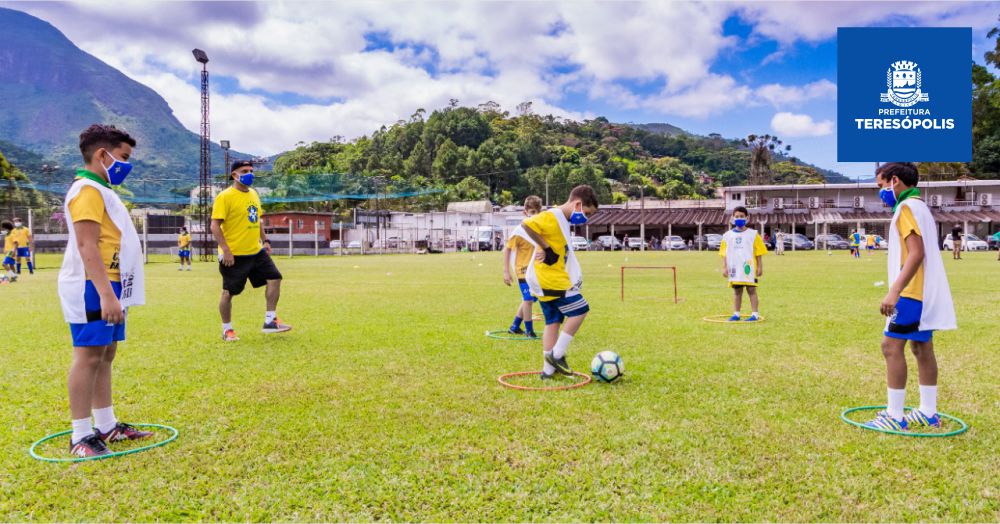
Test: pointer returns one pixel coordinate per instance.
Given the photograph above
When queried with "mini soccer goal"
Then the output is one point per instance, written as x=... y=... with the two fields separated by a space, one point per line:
x=651 y=278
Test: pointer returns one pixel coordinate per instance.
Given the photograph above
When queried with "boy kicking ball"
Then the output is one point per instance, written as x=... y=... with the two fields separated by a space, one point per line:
x=918 y=302
x=523 y=249
x=555 y=277
x=101 y=277
x=742 y=250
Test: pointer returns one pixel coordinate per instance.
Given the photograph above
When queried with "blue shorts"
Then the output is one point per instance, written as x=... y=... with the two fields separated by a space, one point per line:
x=96 y=332
x=7 y=261
x=526 y=291
x=184 y=253
x=557 y=310
x=23 y=252
x=905 y=322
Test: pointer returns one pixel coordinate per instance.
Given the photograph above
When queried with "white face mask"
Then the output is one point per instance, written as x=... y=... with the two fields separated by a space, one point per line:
x=17 y=224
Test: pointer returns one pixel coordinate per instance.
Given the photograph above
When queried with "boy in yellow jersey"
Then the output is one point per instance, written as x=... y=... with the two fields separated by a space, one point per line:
x=184 y=248
x=9 y=274
x=870 y=244
x=918 y=301
x=742 y=251
x=24 y=243
x=555 y=277
x=101 y=276
x=523 y=249
x=245 y=251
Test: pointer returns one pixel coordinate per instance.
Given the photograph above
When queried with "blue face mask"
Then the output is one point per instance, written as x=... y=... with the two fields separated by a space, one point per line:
x=887 y=196
x=246 y=179
x=740 y=222
x=117 y=171
x=577 y=218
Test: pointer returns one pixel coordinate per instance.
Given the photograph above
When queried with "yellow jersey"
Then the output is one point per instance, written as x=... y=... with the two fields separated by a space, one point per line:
x=88 y=205
x=907 y=225
x=523 y=251
x=870 y=240
x=184 y=240
x=22 y=236
x=240 y=214
x=8 y=242
x=554 y=277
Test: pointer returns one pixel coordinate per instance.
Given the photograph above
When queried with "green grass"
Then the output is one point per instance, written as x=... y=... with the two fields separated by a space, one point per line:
x=383 y=403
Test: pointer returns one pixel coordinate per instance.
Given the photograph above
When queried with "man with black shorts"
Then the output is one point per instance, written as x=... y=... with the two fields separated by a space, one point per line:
x=244 y=250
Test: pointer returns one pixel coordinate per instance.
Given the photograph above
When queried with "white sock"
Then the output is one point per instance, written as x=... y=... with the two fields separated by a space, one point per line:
x=269 y=316
x=736 y=313
x=104 y=419
x=81 y=430
x=897 y=398
x=226 y=326
x=547 y=368
x=928 y=400
x=755 y=313
x=562 y=343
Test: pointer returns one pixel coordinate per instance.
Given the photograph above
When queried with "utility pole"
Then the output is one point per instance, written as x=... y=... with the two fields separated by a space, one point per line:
x=205 y=175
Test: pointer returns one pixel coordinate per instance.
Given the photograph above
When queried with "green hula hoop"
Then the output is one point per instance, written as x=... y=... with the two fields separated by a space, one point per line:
x=964 y=427
x=36 y=456
x=502 y=334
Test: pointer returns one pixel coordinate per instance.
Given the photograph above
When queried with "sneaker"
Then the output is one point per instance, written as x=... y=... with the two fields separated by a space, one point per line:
x=734 y=318
x=276 y=326
x=559 y=363
x=916 y=418
x=89 y=446
x=531 y=334
x=884 y=422
x=123 y=431
x=189 y=268
x=515 y=331
x=545 y=376
x=752 y=318
x=180 y=269
x=230 y=336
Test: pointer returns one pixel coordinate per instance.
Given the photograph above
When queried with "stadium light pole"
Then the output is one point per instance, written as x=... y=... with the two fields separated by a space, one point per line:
x=204 y=182
x=225 y=152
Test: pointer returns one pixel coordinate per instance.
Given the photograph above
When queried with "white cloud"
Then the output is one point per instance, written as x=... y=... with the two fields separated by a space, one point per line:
x=712 y=95
x=797 y=125
x=782 y=95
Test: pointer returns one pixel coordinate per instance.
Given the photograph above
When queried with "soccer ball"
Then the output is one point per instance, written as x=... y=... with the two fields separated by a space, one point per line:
x=607 y=366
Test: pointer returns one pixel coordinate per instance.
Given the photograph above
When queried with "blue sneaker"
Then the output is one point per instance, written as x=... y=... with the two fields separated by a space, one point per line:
x=916 y=418
x=734 y=318
x=884 y=422
x=752 y=318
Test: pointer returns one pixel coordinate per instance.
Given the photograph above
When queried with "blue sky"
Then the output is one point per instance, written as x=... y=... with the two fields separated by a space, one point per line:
x=285 y=72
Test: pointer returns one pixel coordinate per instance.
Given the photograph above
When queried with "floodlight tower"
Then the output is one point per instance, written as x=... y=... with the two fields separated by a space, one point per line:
x=225 y=159
x=205 y=175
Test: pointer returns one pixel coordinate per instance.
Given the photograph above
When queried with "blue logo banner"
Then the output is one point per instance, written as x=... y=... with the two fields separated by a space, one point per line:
x=904 y=94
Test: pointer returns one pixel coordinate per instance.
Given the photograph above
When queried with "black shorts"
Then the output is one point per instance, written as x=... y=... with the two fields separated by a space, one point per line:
x=257 y=268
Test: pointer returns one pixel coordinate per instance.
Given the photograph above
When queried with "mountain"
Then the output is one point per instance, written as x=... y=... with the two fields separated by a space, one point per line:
x=660 y=128
x=50 y=90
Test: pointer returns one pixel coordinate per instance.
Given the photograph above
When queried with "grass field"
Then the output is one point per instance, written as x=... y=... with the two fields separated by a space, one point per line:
x=383 y=404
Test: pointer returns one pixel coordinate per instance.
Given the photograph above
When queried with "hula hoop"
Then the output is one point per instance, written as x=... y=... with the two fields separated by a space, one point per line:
x=502 y=334
x=964 y=427
x=36 y=456
x=502 y=379
x=724 y=319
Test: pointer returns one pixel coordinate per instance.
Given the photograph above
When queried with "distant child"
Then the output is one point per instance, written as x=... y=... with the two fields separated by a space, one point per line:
x=870 y=244
x=101 y=276
x=23 y=239
x=523 y=249
x=9 y=272
x=779 y=243
x=918 y=302
x=855 y=244
x=742 y=250
x=555 y=276
x=184 y=248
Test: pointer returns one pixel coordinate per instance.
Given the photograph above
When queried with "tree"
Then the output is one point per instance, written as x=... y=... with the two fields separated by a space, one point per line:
x=762 y=149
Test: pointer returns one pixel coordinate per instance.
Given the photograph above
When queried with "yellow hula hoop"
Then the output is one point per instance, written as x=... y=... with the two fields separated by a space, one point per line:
x=724 y=319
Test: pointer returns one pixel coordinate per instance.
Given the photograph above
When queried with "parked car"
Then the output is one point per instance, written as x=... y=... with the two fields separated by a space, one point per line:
x=354 y=244
x=711 y=241
x=994 y=240
x=674 y=243
x=970 y=242
x=335 y=244
x=580 y=243
x=800 y=241
x=832 y=241
x=609 y=243
x=636 y=243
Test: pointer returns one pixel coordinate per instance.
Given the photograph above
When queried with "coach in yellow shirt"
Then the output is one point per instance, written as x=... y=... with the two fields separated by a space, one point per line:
x=244 y=251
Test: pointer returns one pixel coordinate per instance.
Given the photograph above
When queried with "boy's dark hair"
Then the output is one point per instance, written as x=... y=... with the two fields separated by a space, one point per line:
x=741 y=209
x=906 y=172
x=7 y=225
x=533 y=203
x=99 y=135
x=585 y=194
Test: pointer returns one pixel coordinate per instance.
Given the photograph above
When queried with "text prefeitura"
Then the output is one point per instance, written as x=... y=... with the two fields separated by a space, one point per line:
x=912 y=119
